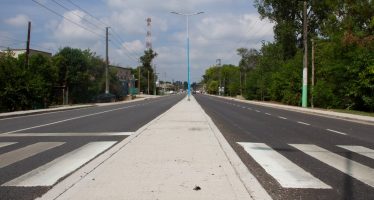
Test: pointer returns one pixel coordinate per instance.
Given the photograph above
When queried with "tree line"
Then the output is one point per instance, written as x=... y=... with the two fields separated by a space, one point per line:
x=343 y=33
x=40 y=83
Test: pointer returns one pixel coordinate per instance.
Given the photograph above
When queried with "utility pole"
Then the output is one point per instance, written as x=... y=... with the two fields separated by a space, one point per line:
x=218 y=61
x=312 y=103
x=154 y=80
x=139 y=80
x=148 y=82
x=241 y=88
x=304 y=102
x=106 y=64
x=28 y=45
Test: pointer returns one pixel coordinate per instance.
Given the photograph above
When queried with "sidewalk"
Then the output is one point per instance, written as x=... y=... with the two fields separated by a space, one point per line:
x=179 y=155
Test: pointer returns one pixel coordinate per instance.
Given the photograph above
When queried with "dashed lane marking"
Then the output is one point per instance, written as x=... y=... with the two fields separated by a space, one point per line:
x=338 y=132
x=303 y=123
x=281 y=117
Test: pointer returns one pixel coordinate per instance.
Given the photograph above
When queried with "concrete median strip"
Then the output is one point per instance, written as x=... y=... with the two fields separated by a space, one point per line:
x=179 y=155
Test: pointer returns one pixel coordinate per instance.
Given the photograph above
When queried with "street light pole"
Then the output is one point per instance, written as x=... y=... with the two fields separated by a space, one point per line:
x=188 y=48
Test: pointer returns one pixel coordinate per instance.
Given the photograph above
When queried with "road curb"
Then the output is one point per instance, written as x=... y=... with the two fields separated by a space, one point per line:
x=64 y=108
x=344 y=116
x=41 y=111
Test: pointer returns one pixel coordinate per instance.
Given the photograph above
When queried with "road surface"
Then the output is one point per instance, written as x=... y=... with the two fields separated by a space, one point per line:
x=296 y=155
x=37 y=151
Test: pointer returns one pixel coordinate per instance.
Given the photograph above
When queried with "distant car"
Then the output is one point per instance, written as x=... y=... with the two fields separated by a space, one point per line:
x=105 y=98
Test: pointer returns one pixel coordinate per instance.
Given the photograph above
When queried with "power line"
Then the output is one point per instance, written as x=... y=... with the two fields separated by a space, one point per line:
x=67 y=9
x=116 y=37
x=71 y=21
x=121 y=41
x=88 y=13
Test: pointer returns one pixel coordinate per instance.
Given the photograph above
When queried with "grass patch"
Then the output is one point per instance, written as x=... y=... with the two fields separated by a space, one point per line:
x=355 y=112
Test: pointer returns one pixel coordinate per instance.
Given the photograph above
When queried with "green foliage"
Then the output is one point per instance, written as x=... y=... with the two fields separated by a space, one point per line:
x=40 y=83
x=145 y=69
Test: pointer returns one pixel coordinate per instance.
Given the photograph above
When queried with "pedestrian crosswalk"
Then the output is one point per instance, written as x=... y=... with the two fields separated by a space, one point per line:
x=289 y=175
x=49 y=173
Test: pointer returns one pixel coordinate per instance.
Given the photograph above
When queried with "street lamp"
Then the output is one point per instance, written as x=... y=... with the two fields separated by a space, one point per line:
x=188 y=47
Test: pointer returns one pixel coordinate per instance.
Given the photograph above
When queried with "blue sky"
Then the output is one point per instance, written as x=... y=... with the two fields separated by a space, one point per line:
x=225 y=26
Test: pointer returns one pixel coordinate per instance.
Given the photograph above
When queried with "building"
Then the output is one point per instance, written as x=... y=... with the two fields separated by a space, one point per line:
x=127 y=80
x=17 y=52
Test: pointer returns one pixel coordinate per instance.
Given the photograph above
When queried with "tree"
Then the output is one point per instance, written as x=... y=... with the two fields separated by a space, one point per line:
x=146 y=68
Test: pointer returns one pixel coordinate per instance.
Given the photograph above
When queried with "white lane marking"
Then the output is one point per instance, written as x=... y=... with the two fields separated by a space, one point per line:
x=4 y=144
x=26 y=152
x=303 y=123
x=249 y=108
x=258 y=111
x=244 y=107
x=356 y=170
x=287 y=173
x=51 y=172
x=359 y=149
x=334 y=131
x=267 y=114
x=282 y=117
x=67 y=134
x=69 y=119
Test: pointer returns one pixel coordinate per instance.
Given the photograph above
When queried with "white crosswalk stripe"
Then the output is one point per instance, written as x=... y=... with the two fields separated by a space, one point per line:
x=356 y=170
x=360 y=150
x=4 y=144
x=26 y=152
x=50 y=173
x=288 y=174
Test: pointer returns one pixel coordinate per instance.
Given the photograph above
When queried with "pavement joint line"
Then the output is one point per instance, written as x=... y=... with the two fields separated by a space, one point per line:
x=282 y=117
x=65 y=120
x=334 y=131
x=303 y=123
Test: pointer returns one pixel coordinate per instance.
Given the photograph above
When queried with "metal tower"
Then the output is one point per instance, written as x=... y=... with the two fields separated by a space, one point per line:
x=148 y=40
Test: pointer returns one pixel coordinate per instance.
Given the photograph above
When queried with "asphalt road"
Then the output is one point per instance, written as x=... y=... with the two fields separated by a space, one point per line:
x=296 y=155
x=37 y=151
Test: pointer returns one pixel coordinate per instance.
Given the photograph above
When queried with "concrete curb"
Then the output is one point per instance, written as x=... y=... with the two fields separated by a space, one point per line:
x=253 y=187
x=61 y=187
x=64 y=108
x=345 y=116
x=40 y=111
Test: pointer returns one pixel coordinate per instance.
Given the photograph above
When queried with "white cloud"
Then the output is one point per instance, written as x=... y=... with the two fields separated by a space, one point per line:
x=165 y=5
x=18 y=20
x=68 y=31
x=134 y=46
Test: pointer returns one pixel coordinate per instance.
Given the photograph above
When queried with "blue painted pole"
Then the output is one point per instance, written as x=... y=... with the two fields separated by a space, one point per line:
x=188 y=60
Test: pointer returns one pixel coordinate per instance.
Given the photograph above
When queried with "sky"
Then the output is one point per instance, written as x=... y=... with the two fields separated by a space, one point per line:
x=225 y=26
